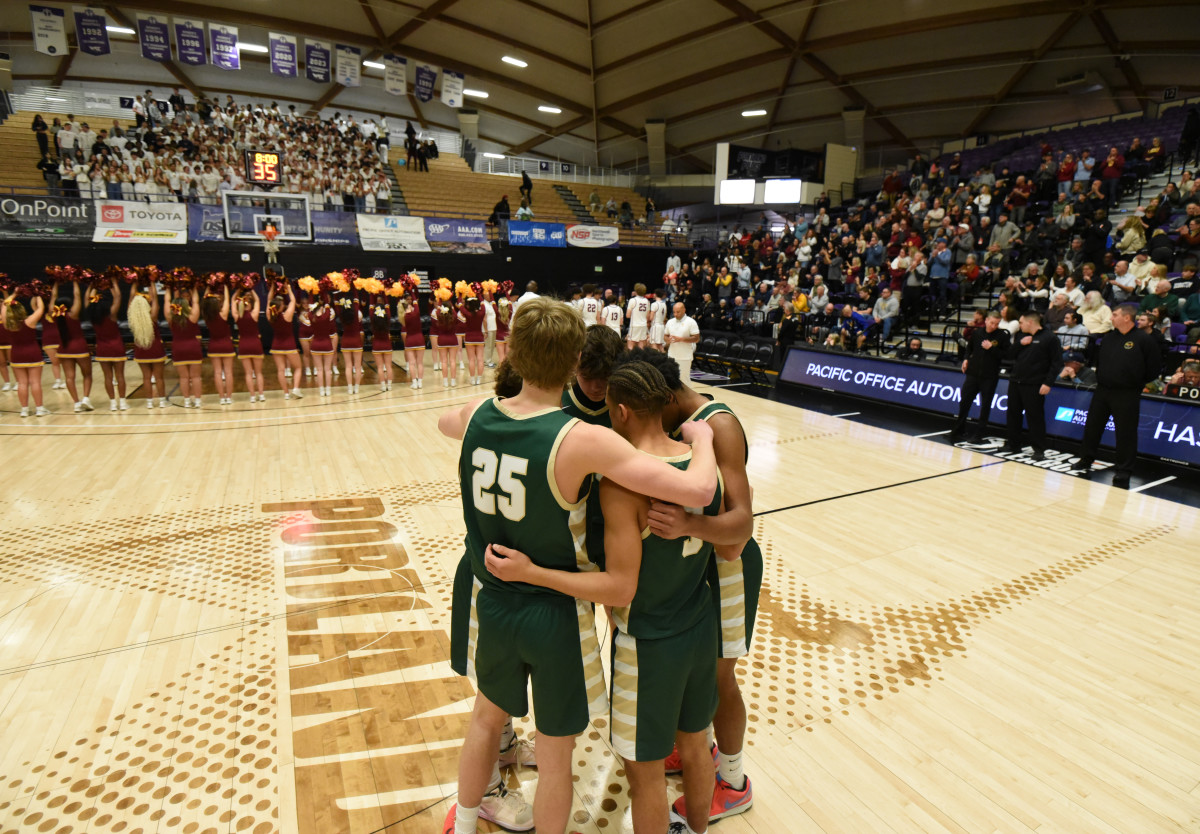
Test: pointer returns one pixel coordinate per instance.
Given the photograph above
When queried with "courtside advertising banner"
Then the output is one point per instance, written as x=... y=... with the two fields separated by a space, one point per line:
x=189 y=42
x=223 y=41
x=449 y=234
x=593 y=237
x=153 y=37
x=90 y=31
x=126 y=221
x=316 y=61
x=387 y=233
x=49 y=30
x=533 y=233
x=335 y=228
x=1167 y=428
x=283 y=54
x=206 y=224
x=47 y=220
x=349 y=65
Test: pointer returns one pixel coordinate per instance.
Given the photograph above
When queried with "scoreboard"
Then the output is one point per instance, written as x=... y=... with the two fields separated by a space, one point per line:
x=264 y=167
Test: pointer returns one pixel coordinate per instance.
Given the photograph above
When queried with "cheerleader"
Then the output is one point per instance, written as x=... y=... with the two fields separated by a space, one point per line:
x=110 y=346
x=306 y=357
x=51 y=338
x=148 y=350
x=186 y=354
x=26 y=358
x=658 y=323
x=283 y=341
x=73 y=352
x=5 y=350
x=472 y=317
x=443 y=319
x=460 y=333
x=321 y=319
x=246 y=307
x=220 y=343
x=381 y=342
x=352 y=342
x=414 y=339
x=504 y=311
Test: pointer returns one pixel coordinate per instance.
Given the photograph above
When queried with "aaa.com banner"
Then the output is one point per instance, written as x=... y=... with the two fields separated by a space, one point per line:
x=534 y=233
x=386 y=233
x=126 y=221
x=449 y=234
x=1167 y=429
x=593 y=237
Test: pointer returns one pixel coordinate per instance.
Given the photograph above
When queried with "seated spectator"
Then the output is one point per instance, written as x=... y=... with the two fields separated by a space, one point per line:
x=524 y=212
x=1149 y=323
x=885 y=312
x=1072 y=335
x=594 y=202
x=1162 y=302
x=1056 y=313
x=820 y=323
x=1134 y=237
x=1076 y=372
x=1011 y=319
x=610 y=207
x=1096 y=315
x=1188 y=376
x=912 y=351
x=1124 y=285
x=850 y=333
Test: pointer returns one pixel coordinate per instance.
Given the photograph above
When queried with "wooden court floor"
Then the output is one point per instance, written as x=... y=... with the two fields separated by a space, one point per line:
x=235 y=620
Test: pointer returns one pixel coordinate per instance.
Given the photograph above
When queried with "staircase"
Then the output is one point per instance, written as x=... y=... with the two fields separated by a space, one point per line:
x=577 y=208
x=398 y=205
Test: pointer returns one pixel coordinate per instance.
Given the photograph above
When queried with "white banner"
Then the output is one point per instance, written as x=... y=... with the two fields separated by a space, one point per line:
x=452 y=88
x=395 y=77
x=126 y=221
x=384 y=233
x=49 y=30
x=100 y=101
x=593 y=237
x=349 y=66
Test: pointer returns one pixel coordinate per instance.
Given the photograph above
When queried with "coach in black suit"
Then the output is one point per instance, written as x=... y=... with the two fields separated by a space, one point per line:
x=1128 y=358
x=981 y=373
x=1037 y=360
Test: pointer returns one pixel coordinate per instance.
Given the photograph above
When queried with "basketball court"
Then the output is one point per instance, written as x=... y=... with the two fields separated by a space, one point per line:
x=236 y=619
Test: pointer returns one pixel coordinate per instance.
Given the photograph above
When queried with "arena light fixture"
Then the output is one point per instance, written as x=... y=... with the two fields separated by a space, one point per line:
x=120 y=30
x=251 y=47
x=475 y=93
x=546 y=109
x=516 y=62
x=374 y=65
x=751 y=113
x=493 y=155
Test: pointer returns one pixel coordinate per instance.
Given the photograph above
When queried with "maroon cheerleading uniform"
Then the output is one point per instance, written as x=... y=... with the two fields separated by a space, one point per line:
x=5 y=338
x=323 y=328
x=220 y=338
x=380 y=342
x=502 y=326
x=352 y=335
x=76 y=346
x=446 y=337
x=185 y=343
x=306 y=331
x=474 y=326
x=51 y=338
x=26 y=352
x=249 y=342
x=460 y=326
x=110 y=347
x=414 y=339
x=284 y=339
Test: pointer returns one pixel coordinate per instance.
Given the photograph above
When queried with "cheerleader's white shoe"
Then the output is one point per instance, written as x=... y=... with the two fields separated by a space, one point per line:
x=122 y=405
x=162 y=402
x=112 y=405
x=8 y=386
x=41 y=411
x=25 y=412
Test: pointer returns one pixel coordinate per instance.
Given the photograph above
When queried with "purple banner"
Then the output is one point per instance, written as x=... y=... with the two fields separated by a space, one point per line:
x=283 y=54
x=223 y=41
x=316 y=61
x=426 y=78
x=189 y=42
x=154 y=37
x=90 y=33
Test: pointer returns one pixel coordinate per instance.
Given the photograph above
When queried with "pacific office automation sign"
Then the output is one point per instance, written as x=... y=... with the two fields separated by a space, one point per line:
x=1168 y=429
x=45 y=219
x=126 y=221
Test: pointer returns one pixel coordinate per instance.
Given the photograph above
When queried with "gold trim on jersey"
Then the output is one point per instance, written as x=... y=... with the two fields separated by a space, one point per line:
x=590 y=412
x=625 y=696
x=512 y=415
x=473 y=629
x=731 y=589
x=593 y=669
x=558 y=496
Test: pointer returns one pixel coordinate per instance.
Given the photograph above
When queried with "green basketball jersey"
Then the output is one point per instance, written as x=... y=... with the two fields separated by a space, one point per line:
x=709 y=410
x=506 y=472
x=577 y=405
x=672 y=592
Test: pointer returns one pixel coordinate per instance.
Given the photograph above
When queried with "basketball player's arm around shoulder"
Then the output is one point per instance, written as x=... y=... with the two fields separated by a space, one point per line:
x=453 y=423
x=732 y=527
x=588 y=449
x=616 y=584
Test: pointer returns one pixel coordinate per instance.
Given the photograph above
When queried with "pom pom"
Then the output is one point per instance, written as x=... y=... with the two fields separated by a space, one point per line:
x=309 y=284
x=463 y=290
x=491 y=287
x=506 y=287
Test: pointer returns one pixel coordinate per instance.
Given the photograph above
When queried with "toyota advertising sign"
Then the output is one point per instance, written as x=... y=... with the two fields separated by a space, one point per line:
x=126 y=221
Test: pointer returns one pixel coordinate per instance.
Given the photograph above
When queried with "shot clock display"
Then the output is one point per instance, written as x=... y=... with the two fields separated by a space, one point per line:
x=263 y=167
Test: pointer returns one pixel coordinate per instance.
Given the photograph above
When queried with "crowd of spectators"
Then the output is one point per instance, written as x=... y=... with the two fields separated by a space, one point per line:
x=191 y=152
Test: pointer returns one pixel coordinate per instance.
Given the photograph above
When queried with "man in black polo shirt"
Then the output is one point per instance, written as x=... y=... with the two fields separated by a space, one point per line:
x=1037 y=360
x=1128 y=358
x=981 y=369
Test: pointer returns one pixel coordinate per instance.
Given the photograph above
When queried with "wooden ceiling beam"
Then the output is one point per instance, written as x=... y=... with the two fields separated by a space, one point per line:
x=624 y=13
x=702 y=77
x=858 y=98
x=373 y=20
x=64 y=66
x=660 y=48
x=518 y=46
x=425 y=16
x=748 y=15
x=546 y=136
x=553 y=12
x=791 y=67
x=1125 y=65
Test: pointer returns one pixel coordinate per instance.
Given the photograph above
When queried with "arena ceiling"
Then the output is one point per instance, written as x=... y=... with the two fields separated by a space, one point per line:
x=923 y=71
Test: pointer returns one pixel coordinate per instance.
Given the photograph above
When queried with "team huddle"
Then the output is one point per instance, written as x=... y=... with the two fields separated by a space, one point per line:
x=597 y=477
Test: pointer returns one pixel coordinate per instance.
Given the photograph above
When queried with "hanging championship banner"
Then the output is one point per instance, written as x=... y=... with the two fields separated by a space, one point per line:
x=189 y=42
x=90 y=31
x=49 y=30
x=395 y=76
x=223 y=41
x=426 y=78
x=153 y=37
x=452 y=88
x=349 y=65
x=316 y=61
x=283 y=54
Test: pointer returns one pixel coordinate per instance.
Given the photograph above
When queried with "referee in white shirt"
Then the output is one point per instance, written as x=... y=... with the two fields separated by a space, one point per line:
x=682 y=335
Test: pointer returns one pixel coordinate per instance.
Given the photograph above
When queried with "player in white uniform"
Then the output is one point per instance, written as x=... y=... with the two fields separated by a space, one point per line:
x=638 y=311
x=611 y=316
x=589 y=305
x=658 y=323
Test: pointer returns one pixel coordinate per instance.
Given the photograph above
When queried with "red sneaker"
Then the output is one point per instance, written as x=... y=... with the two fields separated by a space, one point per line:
x=448 y=825
x=674 y=764
x=725 y=803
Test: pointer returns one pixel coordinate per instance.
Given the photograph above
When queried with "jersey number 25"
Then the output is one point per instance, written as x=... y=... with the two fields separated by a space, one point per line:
x=490 y=472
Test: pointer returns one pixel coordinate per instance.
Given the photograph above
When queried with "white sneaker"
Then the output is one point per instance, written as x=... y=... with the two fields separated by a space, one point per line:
x=461 y=366
x=41 y=411
x=59 y=384
x=78 y=407
x=122 y=405
x=507 y=808
x=287 y=371
x=421 y=383
x=87 y=404
x=187 y=402
x=25 y=412
x=112 y=405
x=8 y=386
x=413 y=385
x=149 y=402
x=453 y=382
x=437 y=366
x=521 y=752
x=307 y=372
x=296 y=393
x=162 y=402
x=287 y=395
x=336 y=372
